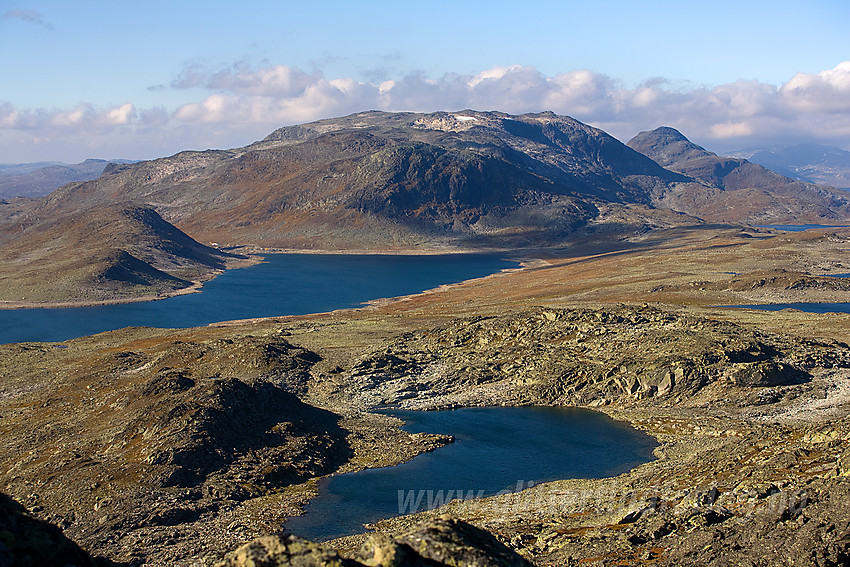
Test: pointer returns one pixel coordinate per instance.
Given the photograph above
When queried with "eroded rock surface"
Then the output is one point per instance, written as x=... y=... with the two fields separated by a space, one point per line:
x=584 y=357
x=26 y=541
x=124 y=446
x=438 y=542
x=173 y=447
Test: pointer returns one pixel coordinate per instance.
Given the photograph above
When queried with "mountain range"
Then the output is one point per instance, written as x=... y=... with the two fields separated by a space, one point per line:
x=383 y=181
x=736 y=190
x=388 y=181
x=39 y=179
x=813 y=163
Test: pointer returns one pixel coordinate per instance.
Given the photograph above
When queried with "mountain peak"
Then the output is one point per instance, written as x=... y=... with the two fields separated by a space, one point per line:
x=667 y=146
x=667 y=133
x=735 y=189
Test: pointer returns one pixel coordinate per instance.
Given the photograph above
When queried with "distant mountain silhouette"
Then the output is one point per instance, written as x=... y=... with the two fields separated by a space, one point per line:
x=39 y=179
x=813 y=163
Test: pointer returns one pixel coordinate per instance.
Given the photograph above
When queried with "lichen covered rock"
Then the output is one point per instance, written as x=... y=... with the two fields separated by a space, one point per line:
x=437 y=542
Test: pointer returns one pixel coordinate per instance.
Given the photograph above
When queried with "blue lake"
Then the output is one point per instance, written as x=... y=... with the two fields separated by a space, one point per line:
x=496 y=450
x=807 y=307
x=286 y=284
x=799 y=227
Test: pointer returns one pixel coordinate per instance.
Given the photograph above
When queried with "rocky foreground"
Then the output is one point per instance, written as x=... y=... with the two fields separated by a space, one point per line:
x=162 y=447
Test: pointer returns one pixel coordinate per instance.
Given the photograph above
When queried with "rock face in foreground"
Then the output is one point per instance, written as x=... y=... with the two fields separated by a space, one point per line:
x=125 y=444
x=438 y=542
x=751 y=495
x=26 y=541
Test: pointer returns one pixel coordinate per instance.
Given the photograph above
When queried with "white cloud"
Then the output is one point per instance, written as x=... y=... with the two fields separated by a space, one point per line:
x=731 y=130
x=9 y=116
x=320 y=98
x=243 y=104
x=73 y=117
x=121 y=114
x=491 y=74
x=154 y=117
x=743 y=111
x=276 y=81
x=242 y=78
x=191 y=76
x=827 y=91
x=84 y=118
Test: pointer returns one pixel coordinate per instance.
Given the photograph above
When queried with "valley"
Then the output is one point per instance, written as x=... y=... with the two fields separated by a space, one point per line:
x=631 y=332
x=194 y=446
x=380 y=182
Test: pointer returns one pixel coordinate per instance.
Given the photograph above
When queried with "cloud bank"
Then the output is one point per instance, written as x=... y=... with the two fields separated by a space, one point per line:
x=239 y=104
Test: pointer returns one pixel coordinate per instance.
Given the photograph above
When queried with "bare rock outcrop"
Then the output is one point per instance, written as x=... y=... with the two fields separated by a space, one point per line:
x=437 y=542
x=585 y=357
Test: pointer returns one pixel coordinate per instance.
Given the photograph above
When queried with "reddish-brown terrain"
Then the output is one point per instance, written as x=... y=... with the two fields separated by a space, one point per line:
x=164 y=447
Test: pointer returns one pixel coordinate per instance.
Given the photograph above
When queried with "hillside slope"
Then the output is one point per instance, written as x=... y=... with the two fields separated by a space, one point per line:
x=383 y=181
x=112 y=252
x=735 y=190
x=812 y=163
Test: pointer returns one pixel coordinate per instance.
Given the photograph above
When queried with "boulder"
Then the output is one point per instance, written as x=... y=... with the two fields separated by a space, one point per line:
x=763 y=373
x=280 y=551
x=451 y=542
x=437 y=542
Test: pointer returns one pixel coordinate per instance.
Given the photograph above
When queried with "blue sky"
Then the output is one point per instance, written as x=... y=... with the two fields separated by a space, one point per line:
x=140 y=79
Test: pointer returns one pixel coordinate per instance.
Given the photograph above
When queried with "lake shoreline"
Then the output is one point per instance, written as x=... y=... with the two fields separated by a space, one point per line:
x=279 y=285
x=256 y=257
x=196 y=287
x=732 y=455
x=524 y=265
x=583 y=444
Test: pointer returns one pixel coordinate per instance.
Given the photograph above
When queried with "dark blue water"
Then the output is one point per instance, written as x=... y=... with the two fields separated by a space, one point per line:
x=807 y=307
x=286 y=284
x=495 y=450
x=799 y=227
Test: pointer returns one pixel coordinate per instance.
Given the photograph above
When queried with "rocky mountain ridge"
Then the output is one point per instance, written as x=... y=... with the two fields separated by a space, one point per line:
x=383 y=180
x=736 y=190
x=812 y=163
x=379 y=181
